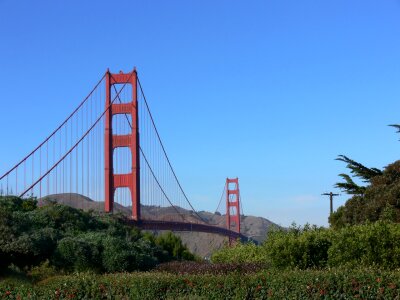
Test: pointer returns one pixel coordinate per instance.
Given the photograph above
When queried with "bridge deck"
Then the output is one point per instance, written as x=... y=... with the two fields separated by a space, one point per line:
x=182 y=226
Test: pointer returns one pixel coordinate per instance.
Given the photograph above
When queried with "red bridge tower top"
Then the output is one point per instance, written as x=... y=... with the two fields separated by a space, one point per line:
x=130 y=180
x=232 y=205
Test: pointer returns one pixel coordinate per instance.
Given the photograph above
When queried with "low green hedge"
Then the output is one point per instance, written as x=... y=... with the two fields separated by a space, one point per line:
x=308 y=284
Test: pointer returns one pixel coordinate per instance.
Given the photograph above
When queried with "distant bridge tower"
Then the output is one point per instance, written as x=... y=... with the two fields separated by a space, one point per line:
x=232 y=205
x=130 y=180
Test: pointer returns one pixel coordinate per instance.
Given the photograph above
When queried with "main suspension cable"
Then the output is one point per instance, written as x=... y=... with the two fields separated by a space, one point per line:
x=150 y=168
x=76 y=144
x=165 y=153
x=222 y=196
x=55 y=131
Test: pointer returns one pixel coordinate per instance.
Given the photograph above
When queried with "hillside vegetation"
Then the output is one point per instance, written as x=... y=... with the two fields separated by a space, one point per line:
x=67 y=239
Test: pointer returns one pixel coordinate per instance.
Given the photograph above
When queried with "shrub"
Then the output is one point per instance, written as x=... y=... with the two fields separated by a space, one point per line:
x=310 y=284
x=375 y=244
x=368 y=245
x=174 y=247
x=43 y=271
x=74 y=240
x=298 y=247
x=77 y=254
x=190 y=267
x=241 y=253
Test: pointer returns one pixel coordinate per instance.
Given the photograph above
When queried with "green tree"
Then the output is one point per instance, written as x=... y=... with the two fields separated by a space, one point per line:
x=380 y=200
x=357 y=170
x=174 y=247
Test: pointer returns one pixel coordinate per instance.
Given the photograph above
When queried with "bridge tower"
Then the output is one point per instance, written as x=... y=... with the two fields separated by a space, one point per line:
x=232 y=205
x=130 y=180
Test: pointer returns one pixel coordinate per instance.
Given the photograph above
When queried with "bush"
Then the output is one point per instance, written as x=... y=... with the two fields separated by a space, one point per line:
x=190 y=267
x=310 y=284
x=43 y=271
x=174 y=247
x=78 y=254
x=298 y=247
x=74 y=240
x=376 y=244
x=241 y=253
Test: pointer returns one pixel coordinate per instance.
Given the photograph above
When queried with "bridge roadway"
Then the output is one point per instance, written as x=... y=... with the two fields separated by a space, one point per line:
x=183 y=226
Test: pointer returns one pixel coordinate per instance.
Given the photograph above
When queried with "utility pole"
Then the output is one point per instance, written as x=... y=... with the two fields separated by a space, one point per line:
x=331 y=195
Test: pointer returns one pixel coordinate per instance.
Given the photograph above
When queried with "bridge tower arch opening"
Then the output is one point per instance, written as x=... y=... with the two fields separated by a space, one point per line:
x=232 y=205
x=115 y=106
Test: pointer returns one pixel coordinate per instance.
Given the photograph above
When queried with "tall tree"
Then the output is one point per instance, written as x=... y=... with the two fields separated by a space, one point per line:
x=378 y=199
x=357 y=170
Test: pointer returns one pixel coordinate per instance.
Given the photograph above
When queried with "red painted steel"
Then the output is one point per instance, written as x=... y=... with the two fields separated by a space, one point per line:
x=132 y=179
x=232 y=205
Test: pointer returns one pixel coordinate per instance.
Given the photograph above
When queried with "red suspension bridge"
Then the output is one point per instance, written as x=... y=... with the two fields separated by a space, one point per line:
x=109 y=151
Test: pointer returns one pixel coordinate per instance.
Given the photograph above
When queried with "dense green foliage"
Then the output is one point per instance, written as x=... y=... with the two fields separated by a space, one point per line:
x=172 y=246
x=357 y=170
x=294 y=284
x=241 y=253
x=374 y=244
x=69 y=239
x=298 y=247
x=203 y=267
x=380 y=200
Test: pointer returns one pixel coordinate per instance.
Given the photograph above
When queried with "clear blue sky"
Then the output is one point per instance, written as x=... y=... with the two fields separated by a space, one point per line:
x=269 y=91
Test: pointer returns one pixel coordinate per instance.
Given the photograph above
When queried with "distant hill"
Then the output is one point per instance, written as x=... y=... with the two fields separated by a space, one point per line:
x=203 y=244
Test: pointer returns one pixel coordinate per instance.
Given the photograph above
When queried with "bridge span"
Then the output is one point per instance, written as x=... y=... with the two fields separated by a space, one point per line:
x=184 y=226
x=109 y=149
